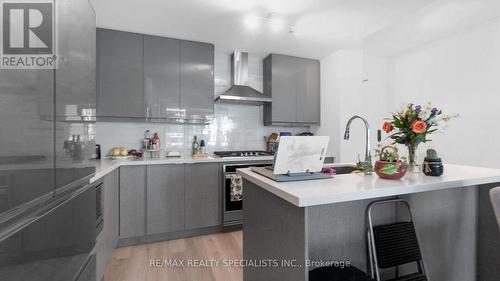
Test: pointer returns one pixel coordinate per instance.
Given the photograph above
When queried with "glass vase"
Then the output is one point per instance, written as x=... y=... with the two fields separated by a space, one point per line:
x=412 y=164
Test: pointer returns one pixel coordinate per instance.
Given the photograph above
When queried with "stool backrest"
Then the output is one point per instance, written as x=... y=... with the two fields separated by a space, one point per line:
x=396 y=244
x=495 y=200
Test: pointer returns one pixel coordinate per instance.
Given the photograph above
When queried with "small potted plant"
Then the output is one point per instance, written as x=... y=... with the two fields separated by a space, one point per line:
x=432 y=164
x=390 y=166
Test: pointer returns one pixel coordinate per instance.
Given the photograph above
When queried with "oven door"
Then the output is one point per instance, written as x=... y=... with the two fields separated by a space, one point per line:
x=233 y=191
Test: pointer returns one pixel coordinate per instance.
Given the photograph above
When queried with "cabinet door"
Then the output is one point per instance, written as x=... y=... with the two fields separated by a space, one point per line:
x=132 y=209
x=203 y=198
x=165 y=198
x=284 y=89
x=120 y=91
x=105 y=241
x=161 y=77
x=76 y=73
x=197 y=80
x=308 y=91
x=116 y=206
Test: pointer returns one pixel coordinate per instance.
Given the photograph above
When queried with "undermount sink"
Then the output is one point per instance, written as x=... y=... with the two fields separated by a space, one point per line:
x=343 y=169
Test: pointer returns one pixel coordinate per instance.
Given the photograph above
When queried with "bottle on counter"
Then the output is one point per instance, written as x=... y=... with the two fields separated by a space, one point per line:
x=156 y=142
x=203 y=148
x=146 y=142
x=196 y=145
x=97 y=152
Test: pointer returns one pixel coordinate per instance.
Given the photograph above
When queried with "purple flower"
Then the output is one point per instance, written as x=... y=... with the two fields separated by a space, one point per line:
x=434 y=111
x=418 y=108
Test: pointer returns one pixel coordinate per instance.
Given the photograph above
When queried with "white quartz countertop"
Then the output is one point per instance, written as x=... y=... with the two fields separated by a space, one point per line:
x=351 y=187
x=106 y=166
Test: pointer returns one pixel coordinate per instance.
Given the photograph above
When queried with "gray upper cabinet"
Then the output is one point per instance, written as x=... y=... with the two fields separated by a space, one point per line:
x=143 y=76
x=132 y=201
x=203 y=203
x=197 y=80
x=120 y=89
x=165 y=198
x=294 y=85
x=308 y=92
x=161 y=77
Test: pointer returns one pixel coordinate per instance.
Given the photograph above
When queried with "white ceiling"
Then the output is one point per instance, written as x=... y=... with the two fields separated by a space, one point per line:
x=320 y=26
x=431 y=23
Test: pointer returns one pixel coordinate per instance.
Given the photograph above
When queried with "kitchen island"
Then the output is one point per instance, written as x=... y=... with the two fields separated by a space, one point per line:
x=299 y=224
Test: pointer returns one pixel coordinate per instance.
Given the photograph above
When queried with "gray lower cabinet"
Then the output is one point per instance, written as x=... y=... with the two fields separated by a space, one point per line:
x=132 y=201
x=108 y=238
x=161 y=77
x=294 y=85
x=120 y=74
x=203 y=200
x=165 y=198
x=197 y=80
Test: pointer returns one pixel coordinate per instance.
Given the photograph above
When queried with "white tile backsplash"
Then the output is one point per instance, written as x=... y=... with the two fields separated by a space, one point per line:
x=235 y=127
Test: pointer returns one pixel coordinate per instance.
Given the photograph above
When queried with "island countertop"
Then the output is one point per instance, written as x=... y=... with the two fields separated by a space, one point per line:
x=352 y=187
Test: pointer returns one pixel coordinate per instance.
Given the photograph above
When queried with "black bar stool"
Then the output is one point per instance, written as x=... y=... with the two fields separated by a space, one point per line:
x=392 y=245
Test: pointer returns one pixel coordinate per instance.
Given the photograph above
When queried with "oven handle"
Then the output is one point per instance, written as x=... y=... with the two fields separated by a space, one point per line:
x=229 y=175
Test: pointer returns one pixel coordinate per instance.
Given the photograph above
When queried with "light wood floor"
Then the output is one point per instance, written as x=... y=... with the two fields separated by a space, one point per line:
x=133 y=263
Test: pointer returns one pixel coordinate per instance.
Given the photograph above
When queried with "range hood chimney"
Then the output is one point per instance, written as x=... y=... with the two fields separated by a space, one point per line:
x=240 y=92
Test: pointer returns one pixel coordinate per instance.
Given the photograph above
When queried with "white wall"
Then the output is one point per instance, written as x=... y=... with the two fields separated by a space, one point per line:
x=352 y=83
x=461 y=74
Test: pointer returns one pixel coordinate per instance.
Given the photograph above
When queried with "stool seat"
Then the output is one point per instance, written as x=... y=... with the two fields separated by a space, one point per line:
x=411 y=277
x=334 y=273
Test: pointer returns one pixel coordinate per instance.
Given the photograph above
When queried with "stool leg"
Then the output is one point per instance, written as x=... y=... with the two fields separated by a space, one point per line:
x=370 y=255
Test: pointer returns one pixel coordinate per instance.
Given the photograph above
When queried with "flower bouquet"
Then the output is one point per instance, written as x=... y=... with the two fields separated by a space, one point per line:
x=412 y=126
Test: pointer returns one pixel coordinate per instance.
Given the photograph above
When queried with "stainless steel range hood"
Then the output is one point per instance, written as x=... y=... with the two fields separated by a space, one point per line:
x=240 y=92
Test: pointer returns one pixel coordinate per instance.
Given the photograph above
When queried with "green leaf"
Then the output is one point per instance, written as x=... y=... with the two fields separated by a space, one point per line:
x=389 y=169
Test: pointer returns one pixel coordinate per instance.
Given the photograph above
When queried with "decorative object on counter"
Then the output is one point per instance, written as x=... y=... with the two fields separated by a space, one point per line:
x=329 y=171
x=203 y=148
x=195 y=146
x=135 y=153
x=172 y=154
x=270 y=141
x=365 y=166
x=412 y=125
x=200 y=152
x=147 y=141
x=119 y=153
x=433 y=165
x=97 y=152
x=123 y=153
x=156 y=142
x=390 y=166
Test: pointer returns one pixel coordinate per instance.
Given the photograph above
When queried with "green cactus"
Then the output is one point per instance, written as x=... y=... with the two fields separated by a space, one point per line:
x=432 y=154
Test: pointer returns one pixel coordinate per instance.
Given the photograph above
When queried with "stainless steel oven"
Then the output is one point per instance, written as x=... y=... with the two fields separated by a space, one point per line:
x=233 y=192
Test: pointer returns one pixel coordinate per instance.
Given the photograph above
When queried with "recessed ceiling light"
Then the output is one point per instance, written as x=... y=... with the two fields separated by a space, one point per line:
x=252 y=22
